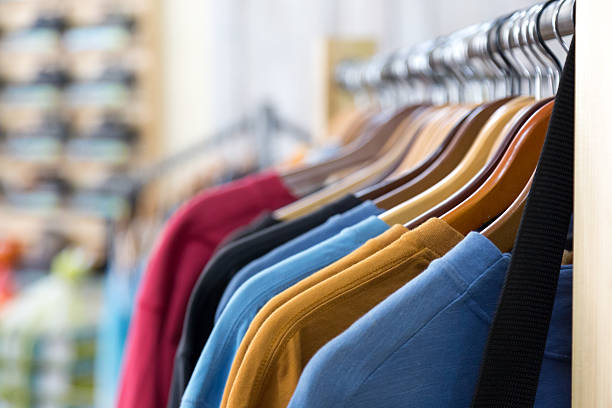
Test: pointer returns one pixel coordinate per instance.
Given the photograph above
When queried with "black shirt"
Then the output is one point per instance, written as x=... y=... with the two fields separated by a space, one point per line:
x=200 y=316
x=260 y=223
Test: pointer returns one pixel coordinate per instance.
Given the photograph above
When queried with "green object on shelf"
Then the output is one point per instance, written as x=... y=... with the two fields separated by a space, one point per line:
x=71 y=263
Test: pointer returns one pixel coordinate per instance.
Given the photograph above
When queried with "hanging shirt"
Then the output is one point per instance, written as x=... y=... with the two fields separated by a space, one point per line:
x=330 y=228
x=263 y=221
x=119 y=293
x=184 y=248
x=205 y=388
x=435 y=329
x=204 y=299
x=369 y=248
x=293 y=333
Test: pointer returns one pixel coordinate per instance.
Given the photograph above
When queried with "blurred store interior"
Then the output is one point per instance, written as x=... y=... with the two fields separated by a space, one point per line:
x=114 y=113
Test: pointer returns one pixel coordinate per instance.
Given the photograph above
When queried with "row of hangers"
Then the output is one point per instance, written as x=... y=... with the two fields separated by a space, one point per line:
x=452 y=128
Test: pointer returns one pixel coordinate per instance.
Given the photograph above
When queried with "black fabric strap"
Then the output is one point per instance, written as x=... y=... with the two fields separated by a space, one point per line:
x=515 y=347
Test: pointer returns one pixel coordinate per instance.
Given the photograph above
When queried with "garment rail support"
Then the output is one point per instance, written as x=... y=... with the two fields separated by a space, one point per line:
x=592 y=326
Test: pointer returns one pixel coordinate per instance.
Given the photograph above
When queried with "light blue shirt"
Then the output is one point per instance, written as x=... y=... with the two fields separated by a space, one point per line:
x=326 y=230
x=120 y=288
x=205 y=388
x=423 y=345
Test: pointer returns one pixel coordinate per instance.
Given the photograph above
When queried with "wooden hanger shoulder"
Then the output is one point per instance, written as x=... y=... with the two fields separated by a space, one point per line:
x=447 y=161
x=510 y=131
x=432 y=136
x=469 y=166
x=364 y=176
x=373 y=136
x=350 y=127
x=502 y=232
x=508 y=179
x=378 y=190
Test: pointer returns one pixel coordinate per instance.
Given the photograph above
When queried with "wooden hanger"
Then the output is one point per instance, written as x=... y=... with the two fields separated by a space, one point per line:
x=470 y=165
x=421 y=118
x=391 y=138
x=349 y=125
x=508 y=179
x=412 y=126
x=390 y=143
x=447 y=161
x=385 y=186
x=503 y=230
x=441 y=119
x=371 y=173
x=433 y=135
x=365 y=147
x=510 y=131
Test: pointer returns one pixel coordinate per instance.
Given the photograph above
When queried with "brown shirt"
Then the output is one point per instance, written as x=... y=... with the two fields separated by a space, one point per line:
x=296 y=330
x=370 y=247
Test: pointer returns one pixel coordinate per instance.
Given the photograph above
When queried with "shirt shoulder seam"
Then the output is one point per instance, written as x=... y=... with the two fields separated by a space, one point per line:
x=288 y=329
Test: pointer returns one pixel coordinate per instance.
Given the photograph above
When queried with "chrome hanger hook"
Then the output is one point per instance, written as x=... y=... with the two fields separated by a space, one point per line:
x=454 y=59
x=516 y=29
x=389 y=82
x=505 y=36
x=526 y=50
x=487 y=72
x=541 y=44
x=530 y=37
x=444 y=83
x=491 y=46
x=471 y=73
x=555 y=25
x=398 y=74
x=418 y=67
x=513 y=75
x=373 y=80
x=362 y=94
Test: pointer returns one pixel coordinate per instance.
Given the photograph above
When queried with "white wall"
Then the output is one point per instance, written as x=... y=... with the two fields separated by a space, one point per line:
x=186 y=72
x=249 y=51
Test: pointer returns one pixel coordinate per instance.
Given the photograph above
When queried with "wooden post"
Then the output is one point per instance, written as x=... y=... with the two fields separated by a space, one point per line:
x=329 y=96
x=592 y=321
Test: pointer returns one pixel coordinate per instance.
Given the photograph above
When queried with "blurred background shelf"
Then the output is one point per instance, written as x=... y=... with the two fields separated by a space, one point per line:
x=78 y=104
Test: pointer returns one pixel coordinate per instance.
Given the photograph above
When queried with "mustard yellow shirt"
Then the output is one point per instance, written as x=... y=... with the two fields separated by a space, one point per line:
x=294 y=332
x=370 y=247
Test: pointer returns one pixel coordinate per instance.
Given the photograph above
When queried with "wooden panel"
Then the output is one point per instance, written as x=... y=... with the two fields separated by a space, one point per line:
x=592 y=325
x=330 y=97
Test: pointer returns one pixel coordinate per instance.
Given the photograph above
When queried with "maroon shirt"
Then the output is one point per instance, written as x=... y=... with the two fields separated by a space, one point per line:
x=186 y=244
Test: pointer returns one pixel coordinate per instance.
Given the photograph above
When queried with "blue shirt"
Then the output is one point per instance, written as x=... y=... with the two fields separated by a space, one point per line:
x=326 y=230
x=120 y=288
x=423 y=345
x=205 y=388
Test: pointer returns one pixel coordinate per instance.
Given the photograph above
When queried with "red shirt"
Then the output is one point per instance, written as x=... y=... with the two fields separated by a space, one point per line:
x=186 y=244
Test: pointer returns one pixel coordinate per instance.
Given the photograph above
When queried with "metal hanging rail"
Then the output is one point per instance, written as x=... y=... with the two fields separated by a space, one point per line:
x=475 y=52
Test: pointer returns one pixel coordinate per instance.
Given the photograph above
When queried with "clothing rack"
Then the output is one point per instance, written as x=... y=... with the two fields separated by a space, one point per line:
x=592 y=282
x=263 y=125
x=476 y=53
